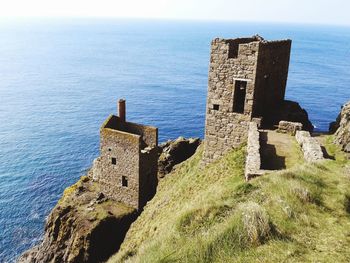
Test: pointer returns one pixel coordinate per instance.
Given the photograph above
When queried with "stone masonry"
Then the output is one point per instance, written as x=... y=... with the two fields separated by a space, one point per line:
x=289 y=127
x=310 y=146
x=127 y=165
x=247 y=81
x=253 y=160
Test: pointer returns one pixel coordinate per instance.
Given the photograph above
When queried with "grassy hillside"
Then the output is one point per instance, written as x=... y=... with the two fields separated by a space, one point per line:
x=211 y=214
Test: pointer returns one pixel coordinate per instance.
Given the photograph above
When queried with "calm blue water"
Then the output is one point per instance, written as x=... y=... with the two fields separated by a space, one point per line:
x=59 y=79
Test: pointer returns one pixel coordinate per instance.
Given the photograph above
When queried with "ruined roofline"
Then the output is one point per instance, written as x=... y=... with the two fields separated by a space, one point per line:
x=112 y=116
x=246 y=40
x=108 y=126
x=115 y=124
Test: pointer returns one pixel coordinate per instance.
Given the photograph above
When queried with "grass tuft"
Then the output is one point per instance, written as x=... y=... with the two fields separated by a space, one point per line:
x=256 y=223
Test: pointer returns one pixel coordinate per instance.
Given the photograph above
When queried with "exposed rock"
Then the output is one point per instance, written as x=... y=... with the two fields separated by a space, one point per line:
x=172 y=153
x=292 y=112
x=342 y=127
x=83 y=227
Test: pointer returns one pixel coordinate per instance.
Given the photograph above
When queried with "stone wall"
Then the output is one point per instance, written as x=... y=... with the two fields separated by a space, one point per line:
x=253 y=159
x=125 y=148
x=289 y=127
x=310 y=146
x=148 y=174
x=229 y=62
x=271 y=76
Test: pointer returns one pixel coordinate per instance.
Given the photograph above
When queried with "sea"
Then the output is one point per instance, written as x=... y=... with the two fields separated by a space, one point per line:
x=61 y=78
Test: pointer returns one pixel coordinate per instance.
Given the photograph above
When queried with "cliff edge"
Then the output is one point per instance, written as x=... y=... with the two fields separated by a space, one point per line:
x=84 y=226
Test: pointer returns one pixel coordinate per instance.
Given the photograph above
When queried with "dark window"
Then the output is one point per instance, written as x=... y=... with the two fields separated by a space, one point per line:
x=114 y=160
x=233 y=50
x=109 y=149
x=124 y=181
x=215 y=106
x=239 y=96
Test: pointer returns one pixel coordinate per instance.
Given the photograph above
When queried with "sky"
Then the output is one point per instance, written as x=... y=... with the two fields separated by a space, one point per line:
x=290 y=11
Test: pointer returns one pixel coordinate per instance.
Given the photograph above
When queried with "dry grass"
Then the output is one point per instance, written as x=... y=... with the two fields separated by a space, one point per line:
x=212 y=215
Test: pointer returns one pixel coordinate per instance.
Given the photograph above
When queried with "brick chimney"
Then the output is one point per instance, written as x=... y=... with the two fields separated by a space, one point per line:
x=121 y=107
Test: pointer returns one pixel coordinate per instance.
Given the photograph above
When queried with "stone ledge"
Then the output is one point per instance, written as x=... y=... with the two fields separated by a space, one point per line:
x=253 y=160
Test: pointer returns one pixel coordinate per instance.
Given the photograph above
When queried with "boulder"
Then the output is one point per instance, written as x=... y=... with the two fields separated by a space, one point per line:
x=342 y=128
x=174 y=152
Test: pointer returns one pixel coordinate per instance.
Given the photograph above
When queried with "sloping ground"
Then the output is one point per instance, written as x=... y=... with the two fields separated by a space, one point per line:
x=301 y=214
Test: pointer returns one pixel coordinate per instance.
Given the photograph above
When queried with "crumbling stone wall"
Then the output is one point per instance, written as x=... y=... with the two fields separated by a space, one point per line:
x=289 y=127
x=253 y=159
x=237 y=88
x=310 y=146
x=127 y=166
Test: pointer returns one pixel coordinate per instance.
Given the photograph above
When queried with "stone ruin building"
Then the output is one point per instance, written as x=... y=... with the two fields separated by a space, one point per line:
x=127 y=166
x=247 y=82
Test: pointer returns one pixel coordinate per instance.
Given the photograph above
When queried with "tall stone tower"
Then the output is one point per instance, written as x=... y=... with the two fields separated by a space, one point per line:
x=127 y=166
x=247 y=82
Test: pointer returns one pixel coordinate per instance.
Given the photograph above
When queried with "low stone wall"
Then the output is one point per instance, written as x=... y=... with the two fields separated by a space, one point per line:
x=289 y=127
x=253 y=160
x=310 y=146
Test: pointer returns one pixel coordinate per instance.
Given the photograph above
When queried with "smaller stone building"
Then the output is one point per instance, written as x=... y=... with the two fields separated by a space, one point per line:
x=127 y=165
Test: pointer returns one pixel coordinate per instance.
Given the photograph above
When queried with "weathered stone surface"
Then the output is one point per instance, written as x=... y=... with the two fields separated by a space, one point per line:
x=289 y=127
x=253 y=159
x=247 y=80
x=310 y=146
x=174 y=152
x=83 y=227
x=342 y=126
x=127 y=166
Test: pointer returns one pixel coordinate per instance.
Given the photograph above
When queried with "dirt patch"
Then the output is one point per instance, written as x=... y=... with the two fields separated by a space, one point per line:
x=278 y=150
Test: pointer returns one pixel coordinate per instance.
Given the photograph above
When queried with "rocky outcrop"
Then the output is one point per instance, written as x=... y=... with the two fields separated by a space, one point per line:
x=342 y=128
x=83 y=227
x=174 y=152
x=292 y=112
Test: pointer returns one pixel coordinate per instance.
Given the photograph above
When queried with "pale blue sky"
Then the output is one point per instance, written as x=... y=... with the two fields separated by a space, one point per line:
x=294 y=11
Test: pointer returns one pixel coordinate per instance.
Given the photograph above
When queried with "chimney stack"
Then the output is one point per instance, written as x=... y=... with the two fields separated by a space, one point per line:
x=121 y=107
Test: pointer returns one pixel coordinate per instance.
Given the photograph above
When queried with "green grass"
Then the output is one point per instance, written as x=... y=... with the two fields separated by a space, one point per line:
x=211 y=214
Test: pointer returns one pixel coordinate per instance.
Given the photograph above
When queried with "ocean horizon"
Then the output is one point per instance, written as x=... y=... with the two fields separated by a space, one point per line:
x=61 y=78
